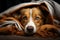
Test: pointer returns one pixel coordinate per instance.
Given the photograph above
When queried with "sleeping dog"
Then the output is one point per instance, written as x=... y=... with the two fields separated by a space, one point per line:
x=27 y=17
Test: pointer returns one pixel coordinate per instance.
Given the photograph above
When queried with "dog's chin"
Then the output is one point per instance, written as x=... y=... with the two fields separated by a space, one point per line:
x=29 y=33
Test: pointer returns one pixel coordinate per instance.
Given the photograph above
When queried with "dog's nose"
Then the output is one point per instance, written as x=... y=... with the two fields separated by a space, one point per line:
x=30 y=28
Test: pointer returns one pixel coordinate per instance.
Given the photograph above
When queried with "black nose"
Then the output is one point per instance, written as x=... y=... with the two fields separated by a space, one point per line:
x=30 y=29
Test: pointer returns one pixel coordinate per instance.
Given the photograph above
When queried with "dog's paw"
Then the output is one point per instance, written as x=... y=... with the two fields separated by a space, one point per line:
x=10 y=30
x=48 y=31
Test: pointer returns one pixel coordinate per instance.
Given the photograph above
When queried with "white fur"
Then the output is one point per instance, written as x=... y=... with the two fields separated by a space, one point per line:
x=30 y=23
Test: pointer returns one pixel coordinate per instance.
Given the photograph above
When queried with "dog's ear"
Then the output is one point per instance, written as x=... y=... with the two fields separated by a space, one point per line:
x=46 y=12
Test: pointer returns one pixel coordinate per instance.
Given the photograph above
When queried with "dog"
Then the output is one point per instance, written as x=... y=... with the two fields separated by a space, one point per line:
x=28 y=17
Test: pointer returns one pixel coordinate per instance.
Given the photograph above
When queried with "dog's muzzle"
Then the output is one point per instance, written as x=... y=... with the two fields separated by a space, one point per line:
x=30 y=28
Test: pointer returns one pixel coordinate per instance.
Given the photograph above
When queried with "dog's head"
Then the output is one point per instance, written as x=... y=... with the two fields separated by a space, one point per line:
x=32 y=17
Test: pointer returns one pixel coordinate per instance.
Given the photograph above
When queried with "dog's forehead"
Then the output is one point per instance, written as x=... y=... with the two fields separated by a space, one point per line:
x=33 y=11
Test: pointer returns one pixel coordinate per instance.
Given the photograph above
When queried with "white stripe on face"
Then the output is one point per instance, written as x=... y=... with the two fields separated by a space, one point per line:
x=30 y=23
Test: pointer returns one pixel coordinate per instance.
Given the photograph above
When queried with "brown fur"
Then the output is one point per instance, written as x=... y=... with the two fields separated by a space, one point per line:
x=48 y=31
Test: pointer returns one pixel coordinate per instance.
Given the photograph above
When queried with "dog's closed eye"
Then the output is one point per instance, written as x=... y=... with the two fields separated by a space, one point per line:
x=25 y=17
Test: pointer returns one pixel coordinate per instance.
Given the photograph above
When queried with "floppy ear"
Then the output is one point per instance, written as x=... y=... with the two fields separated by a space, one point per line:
x=47 y=13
